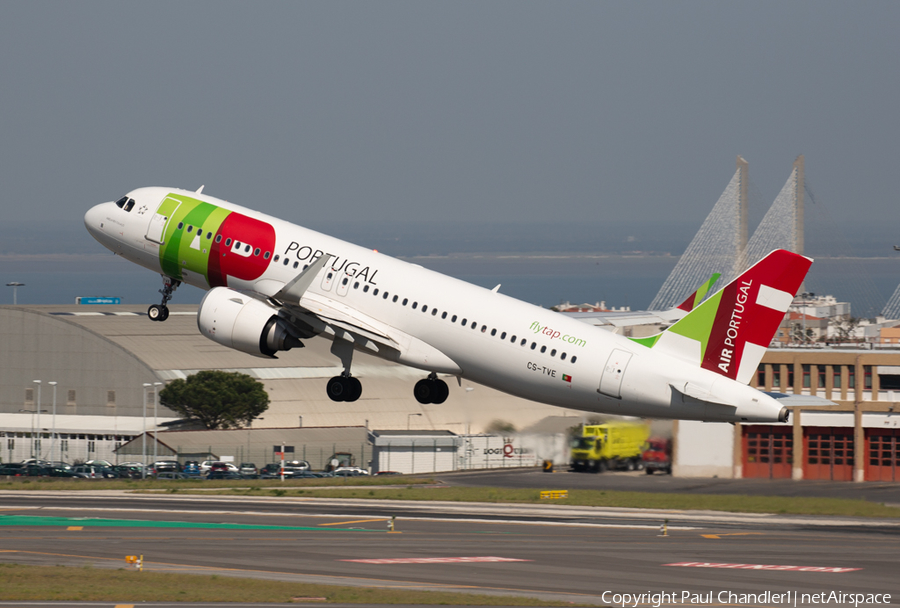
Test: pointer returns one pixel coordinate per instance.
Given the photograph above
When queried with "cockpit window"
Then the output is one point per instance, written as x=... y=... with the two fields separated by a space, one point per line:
x=125 y=203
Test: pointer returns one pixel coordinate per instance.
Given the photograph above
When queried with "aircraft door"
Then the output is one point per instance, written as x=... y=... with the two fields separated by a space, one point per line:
x=156 y=230
x=611 y=380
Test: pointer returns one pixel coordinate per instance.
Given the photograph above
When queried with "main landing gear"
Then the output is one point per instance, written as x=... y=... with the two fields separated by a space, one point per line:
x=160 y=312
x=431 y=390
x=344 y=388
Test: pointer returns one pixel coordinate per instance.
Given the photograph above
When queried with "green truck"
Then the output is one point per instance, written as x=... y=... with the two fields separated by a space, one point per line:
x=613 y=445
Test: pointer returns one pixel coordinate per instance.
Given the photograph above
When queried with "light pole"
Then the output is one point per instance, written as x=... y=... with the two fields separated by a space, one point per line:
x=53 y=428
x=156 y=386
x=15 y=285
x=409 y=419
x=144 y=435
x=32 y=412
x=301 y=421
x=38 y=444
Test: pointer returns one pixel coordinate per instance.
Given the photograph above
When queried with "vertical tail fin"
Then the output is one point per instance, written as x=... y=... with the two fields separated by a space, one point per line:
x=695 y=298
x=729 y=333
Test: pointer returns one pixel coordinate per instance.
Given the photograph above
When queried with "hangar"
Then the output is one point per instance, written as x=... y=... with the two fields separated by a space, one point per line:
x=102 y=357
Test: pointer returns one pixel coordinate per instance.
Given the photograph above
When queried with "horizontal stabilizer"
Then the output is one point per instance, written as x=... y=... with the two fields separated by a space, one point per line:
x=788 y=400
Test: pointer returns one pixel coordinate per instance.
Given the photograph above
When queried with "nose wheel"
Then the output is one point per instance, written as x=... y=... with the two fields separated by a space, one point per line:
x=160 y=312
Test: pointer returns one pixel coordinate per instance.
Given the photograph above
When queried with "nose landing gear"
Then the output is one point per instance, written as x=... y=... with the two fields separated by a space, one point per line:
x=431 y=390
x=160 y=312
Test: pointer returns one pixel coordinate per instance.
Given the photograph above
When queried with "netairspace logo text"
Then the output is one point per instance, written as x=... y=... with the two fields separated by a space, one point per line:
x=787 y=598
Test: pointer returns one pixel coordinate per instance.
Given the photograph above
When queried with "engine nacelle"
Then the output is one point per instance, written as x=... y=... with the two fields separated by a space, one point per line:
x=237 y=321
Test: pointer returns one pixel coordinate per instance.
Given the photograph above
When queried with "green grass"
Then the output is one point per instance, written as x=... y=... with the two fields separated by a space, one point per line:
x=845 y=507
x=21 y=583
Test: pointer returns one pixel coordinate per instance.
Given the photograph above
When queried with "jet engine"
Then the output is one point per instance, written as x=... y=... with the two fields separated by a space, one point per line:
x=238 y=321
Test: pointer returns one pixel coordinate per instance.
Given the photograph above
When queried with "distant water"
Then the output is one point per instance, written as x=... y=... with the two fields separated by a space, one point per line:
x=618 y=280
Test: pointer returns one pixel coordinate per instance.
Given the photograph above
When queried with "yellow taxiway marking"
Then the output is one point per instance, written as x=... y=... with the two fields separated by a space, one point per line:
x=124 y=606
x=75 y=528
x=358 y=521
x=732 y=534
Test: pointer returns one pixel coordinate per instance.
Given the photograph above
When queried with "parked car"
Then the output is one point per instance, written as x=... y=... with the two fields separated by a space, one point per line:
x=13 y=469
x=349 y=472
x=92 y=472
x=171 y=475
x=249 y=470
x=191 y=467
x=166 y=466
x=223 y=475
x=218 y=466
x=658 y=455
x=127 y=471
x=388 y=473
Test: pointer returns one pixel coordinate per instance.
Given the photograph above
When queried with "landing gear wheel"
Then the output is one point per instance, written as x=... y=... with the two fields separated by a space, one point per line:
x=423 y=391
x=354 y=389
x=441 y=392
x=158 y=312
x=337 y=389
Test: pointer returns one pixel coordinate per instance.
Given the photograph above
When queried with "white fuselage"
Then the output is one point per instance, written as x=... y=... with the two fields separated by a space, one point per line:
x=484 y=336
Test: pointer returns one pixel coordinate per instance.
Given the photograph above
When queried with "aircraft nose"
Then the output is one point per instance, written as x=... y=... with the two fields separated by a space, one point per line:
x=94 y=218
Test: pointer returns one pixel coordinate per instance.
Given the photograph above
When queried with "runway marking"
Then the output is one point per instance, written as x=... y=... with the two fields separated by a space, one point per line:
x=717 y=536
x=75 y=528
x=435 y=560
x=358 y=521
x=763 y=567
x=30 y=520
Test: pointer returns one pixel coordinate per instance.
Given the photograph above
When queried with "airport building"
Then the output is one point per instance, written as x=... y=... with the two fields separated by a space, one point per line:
x=108 y=361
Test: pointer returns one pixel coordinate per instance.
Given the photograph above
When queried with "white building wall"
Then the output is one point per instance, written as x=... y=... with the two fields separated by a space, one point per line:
x=703 y=449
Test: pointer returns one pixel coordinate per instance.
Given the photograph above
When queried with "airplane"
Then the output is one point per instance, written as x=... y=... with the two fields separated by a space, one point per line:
x=272 y=284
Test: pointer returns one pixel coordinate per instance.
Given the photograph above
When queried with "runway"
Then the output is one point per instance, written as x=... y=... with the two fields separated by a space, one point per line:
x=584 y=555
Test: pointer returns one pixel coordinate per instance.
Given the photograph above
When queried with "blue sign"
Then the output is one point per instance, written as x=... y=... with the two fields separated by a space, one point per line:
x=100 y=300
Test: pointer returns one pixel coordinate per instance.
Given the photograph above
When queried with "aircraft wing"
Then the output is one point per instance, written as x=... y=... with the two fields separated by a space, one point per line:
x=617 y=319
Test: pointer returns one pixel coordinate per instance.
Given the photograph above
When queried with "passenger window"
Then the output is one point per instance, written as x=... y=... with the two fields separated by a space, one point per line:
x=255 y=251
x=180 y=225
x=365 y=288
x=286 y=261
x=524 y=341
x=296 y=264
x=267 y=254
x=190 y=229
x=543 y=349
x=453 y=319
x=415 y=304
x=345 y=281
x=394 y=299
x=434 y=312
x=533 y=345
x=405 y=300
x=464 y=322
x=374 y=291
x=247 y=249
x=218 y=238
x=573 y=359
x=276 y=258
x=208 y=235
x=330 y=274
x=424 y=308
x=503 y=336
x=513 y=339
x=444 y=315
x=474 y=324
x=563 y=356
x=237 y=244
x=305 y=266
x=227 y=242
x=553 y=353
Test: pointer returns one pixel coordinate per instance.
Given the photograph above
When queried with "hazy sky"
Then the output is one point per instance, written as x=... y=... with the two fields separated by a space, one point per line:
x=490 y=111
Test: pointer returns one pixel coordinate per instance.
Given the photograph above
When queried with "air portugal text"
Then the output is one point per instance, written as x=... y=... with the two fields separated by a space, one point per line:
x=734 y=325
x=352 y=269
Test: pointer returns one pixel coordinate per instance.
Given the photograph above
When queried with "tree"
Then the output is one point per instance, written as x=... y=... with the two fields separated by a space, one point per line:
x=216 y=399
